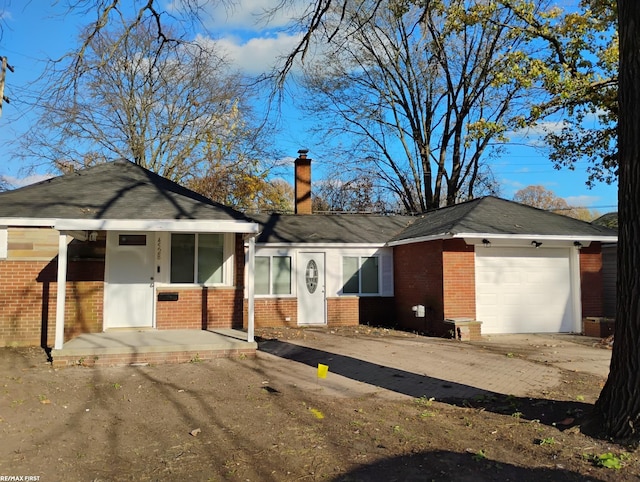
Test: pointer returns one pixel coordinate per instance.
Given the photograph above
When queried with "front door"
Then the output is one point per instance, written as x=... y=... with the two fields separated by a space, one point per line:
x=311 y=289
x=129 y=291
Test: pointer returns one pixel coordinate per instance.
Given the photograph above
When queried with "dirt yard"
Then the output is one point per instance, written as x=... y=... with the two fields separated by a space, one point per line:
x=229 y=420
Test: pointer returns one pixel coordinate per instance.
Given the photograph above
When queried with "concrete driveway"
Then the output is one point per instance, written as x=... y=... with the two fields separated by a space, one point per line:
x=404 y=365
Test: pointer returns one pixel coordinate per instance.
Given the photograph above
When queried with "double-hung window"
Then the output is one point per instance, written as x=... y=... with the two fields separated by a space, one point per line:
x=360 y=275
x=273 y=275
x=197 y=258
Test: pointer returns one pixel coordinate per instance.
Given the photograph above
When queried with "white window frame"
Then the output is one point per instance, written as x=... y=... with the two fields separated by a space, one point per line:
x=4 y=242
x=228 y=261
x=291 y=293
x=360 y=262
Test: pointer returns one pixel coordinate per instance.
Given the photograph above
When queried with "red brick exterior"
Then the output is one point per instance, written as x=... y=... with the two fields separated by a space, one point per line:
x=28 y=301
x=418 y=280
x=200 y=308
x=273 y=312
x=343 y=311
x=377 y=311
x=459 y=279
x=591 y=280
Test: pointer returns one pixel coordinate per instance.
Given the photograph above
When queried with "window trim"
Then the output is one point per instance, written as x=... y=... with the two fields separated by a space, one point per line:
x=360 y=259
x=291 y=293
x=228 y=262
x=4 y=242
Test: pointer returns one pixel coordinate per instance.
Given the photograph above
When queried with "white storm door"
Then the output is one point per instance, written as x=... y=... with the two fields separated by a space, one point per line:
x=129 y=292
x=311 y=289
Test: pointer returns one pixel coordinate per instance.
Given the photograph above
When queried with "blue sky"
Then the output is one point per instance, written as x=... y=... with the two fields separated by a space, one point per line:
x=32 y=34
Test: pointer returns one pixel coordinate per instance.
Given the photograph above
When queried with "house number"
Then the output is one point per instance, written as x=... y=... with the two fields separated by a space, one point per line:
x=311 y=276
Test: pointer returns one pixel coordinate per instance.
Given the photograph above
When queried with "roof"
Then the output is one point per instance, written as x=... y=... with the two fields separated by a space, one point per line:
x=330 y=228
x=113 y=190
x=494 y=216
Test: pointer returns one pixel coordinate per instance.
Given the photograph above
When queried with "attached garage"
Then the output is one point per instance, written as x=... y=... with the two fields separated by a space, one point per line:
x=525 y=290
x=513 y=268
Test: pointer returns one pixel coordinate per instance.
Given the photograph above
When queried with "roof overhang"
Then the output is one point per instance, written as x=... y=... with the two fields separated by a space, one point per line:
x=505 y=239
x=172 y=225
x=303 y=245
x=420 y=239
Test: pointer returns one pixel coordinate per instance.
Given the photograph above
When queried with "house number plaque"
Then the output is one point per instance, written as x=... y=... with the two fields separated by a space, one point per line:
x=311 y=276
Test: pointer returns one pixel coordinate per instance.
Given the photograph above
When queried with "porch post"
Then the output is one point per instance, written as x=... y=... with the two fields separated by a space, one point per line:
x=251 y=289
x=576 y=289
x=62 y=290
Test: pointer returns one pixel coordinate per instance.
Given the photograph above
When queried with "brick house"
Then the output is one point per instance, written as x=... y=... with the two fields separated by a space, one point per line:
x=514 y=268
x=137 y=251
x=487 y=264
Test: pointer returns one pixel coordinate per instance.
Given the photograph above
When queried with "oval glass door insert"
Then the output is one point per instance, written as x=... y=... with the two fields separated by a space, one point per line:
x=311 y=276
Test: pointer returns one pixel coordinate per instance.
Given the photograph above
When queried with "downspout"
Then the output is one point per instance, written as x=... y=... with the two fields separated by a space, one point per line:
x=62 y=290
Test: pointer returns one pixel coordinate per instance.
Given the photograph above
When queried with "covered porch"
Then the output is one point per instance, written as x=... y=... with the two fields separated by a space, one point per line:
x=148 y=347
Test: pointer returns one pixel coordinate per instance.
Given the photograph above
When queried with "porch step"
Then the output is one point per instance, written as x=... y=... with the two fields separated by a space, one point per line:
x=152 y=347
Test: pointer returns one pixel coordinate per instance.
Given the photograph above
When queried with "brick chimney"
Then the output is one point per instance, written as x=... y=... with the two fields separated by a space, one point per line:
x=302 y=183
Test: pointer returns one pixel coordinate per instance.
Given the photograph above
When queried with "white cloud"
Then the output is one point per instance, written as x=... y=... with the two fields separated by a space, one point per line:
x=533 y=135
x=582 y=201
x=255 y=55
x=252 y=14
x=17 y=182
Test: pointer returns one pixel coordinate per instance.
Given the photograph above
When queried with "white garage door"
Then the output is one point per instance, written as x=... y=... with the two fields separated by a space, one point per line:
x=524 y=290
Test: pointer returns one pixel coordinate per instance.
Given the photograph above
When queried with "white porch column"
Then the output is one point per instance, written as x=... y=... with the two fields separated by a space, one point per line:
x=251 y=270
x=576 y=289
x=62 y=290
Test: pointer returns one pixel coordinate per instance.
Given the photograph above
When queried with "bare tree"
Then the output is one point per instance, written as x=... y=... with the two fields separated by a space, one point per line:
x=176 y=109
x=421 y=92
x=350 y=192
x=541 y=198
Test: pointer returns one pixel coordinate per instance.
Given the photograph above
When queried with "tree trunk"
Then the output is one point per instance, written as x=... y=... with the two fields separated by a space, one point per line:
x=617 y=411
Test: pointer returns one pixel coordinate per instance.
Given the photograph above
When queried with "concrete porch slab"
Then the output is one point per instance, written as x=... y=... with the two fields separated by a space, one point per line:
x=127 y=347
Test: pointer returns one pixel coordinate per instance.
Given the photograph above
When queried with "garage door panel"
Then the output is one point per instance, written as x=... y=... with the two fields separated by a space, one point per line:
x=522 y=290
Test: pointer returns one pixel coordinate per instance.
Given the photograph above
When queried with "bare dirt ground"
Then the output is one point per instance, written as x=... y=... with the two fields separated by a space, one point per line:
x=229 y=420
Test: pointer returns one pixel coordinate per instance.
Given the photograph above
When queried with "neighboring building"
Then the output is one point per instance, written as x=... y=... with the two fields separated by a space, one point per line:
x=138 y=251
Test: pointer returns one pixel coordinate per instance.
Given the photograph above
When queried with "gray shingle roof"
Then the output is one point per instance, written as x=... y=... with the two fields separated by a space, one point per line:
x=491 y=215
x=330 y=228
x=114 y=190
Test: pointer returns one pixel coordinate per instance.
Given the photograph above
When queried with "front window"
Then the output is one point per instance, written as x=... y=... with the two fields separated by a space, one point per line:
x=197 y=258
x=360 y=275
x=273 y=275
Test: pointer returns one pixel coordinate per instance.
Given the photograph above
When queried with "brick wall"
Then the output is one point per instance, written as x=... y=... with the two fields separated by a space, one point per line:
x=418 y=281
x=438 y=274
x=591 y=280
x=28 y=293
x=377 y=311
x=343 y=311
x=200 y=308
x=273 y=312
x=459 y=279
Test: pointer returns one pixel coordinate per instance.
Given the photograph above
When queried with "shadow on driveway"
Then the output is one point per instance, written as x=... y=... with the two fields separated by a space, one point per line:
x=546 y=411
